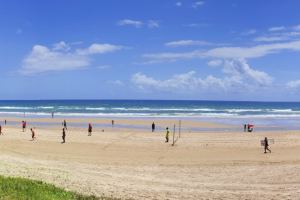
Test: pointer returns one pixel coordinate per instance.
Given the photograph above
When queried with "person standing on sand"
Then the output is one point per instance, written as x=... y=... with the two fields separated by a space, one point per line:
x=112 y=123
x=153 y=127
x=63 y=135
x=90 y=129
x=4 y=122
x=1 y=130
x=23 y=126
x=167 y=134
x=245 y=127
x=65 y=124
x=266 y=145
x=32 y=134
x=52 y=115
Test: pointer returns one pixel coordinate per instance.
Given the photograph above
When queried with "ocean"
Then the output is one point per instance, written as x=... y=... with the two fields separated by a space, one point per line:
x=233 y=112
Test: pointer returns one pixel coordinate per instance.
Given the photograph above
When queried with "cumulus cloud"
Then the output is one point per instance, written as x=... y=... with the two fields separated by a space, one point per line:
x=61 y=57
x=42 y=59
x=61 y=46
x=130 y=22
x=239 y=76
x=180 y=43
x=240 y=69
x=98 y=49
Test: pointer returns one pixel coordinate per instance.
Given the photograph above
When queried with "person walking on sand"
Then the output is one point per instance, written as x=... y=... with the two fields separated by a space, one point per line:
x=63 y=135
x=266 y=145
x=32 y=134
x=65 y=124
x=4 y=122
x=245 y=127
x=167 y=134
x=90 y=129
x=153 y=127
x=112 y=123
x=1 y=130
x=23 y=126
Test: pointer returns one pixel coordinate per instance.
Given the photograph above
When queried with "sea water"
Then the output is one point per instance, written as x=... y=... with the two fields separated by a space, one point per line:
x=285 y=114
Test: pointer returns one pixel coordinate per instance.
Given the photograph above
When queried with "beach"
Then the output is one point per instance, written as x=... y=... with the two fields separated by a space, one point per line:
x=136 y=163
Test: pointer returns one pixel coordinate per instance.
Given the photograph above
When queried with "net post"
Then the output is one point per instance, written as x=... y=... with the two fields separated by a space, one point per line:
x=174 y=136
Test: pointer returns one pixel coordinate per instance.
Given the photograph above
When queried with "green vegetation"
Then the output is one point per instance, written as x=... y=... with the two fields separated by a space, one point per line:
x=21 y=189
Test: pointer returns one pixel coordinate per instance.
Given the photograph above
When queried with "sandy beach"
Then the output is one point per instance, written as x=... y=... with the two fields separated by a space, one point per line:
x=138 y=164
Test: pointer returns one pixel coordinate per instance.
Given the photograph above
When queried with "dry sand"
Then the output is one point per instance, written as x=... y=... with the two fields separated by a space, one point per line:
x=138 y=164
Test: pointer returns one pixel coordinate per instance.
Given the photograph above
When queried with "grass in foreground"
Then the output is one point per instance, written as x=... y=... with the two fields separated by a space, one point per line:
x=21 y=189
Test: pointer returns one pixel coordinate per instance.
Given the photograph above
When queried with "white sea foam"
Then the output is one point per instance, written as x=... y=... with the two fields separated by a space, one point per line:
x=14 y=108
x=99 y=108
x=243 y=110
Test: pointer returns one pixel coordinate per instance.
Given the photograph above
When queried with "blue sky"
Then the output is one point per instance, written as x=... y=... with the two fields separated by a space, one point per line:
x=150 y=49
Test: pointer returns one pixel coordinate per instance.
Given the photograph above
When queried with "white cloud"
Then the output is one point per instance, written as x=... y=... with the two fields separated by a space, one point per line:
x=240 y=69
x=60 y=57
x=61 y=46
x=129 y=22
x=139 y=24
x=98 y=49
x=295 y=85
x=42 y=59
x=277 y=28
x=179 y=43
x=197 y=4
x=239 y=77
x=270 y=38
x=215 y=63
x=297 y=27
x=153 y=24
x=227 y=52
x=116 y=82
x=178 y=4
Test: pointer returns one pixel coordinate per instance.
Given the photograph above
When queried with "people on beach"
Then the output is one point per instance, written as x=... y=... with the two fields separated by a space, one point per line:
x=167 y=134
x=24 y=126
x=245 y=127
x=112 y=123
x=266 y=145
x=65 y=124
x=90 y=129
x=63 y=135
x=153 y=127
x=4 y=122
x=1 y=130
x=250 y=127
x=52 y=115
x=32 y=134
